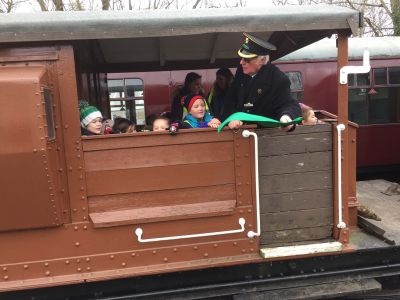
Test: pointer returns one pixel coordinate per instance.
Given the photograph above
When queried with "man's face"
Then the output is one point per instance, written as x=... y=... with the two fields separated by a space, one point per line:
x=251 y=65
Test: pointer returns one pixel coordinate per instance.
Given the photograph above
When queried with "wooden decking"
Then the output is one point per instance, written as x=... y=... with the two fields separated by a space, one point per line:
x=386 y=207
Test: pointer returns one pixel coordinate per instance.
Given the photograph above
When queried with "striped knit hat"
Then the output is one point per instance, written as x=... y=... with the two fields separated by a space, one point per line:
x=88 y=113
x=188 y=101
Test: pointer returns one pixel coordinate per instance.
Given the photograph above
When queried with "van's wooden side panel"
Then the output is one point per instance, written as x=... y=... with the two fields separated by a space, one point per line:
x=160 y=181
x=295 y=184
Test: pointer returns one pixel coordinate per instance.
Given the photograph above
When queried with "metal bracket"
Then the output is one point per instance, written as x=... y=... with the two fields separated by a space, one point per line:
x=365 y=68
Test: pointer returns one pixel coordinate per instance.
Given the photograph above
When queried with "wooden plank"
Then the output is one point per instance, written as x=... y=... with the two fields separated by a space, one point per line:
x=147 y=139
x=296 y=219
x=162 y=213
x=299 y=130
x=296 y=201
x=274 y=184
x=158 y=156
x=294 y=163
x=159 y=198
x=300 y=250
x=159 y=178
x=301 y=143
x=373 y=229
x=296 y=235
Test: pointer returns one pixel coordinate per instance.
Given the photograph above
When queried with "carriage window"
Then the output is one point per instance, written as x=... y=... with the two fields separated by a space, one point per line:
x=296 y=85
x=380 y=77
x=351 y=79
x=134 y=87
x=382 y=106
x=374 y=106
x=127 y=99
x=394 y=75
x=362 y=79
x=359 y=80
x=116 y=88
x=358 y=106
x=48 y=103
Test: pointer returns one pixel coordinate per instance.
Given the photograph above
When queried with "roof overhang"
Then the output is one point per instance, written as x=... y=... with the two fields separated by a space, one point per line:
x=176 y=39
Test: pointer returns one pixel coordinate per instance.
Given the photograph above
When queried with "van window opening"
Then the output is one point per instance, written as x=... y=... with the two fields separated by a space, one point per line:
x=127 y=99
x=374 y=98
x=48 y=103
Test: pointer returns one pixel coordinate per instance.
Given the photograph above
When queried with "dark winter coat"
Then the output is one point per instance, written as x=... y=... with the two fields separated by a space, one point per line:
x=266 y=94
x=84 y=131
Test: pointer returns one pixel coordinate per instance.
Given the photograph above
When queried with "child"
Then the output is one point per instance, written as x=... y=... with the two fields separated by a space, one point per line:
x=91 y=119
x=198 y=115
x=160 y=123
x=122 y=125
x=309 y=117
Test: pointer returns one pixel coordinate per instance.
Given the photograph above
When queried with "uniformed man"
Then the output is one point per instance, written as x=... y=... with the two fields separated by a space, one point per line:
x=259 y=87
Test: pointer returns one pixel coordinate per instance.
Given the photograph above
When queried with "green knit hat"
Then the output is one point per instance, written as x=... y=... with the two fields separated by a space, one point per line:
x=88 y=113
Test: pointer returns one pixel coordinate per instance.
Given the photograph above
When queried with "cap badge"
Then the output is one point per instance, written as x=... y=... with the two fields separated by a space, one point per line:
x=259 y=92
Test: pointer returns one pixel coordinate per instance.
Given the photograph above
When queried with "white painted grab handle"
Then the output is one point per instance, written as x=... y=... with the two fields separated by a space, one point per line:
x=246 y=134
x=340 y=128
x=139 y=233
x=365 y=68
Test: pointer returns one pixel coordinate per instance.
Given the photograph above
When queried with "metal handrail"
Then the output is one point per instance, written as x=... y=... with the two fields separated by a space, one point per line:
x=246 y=134
x=139 y=233
x=340 y=128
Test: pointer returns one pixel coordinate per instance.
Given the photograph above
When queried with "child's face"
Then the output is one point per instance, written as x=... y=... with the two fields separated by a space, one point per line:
x=160 y=124
x=198 y=109
x=95 y=126
x=311 y=119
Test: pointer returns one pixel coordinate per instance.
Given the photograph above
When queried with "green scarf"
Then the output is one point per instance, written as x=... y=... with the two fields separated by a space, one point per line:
x=260 y=120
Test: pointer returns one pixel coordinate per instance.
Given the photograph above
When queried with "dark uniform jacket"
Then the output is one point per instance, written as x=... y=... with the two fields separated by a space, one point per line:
x=266 y=94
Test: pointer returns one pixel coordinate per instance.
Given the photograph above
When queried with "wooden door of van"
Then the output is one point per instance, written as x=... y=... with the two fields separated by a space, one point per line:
x=172 y=187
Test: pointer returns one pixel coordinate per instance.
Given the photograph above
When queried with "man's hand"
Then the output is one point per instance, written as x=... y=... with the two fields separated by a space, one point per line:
x=286 y=119
x=235 y=124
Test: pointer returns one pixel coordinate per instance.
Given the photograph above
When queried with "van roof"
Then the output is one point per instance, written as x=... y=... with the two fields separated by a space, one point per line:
x=379 y=47
x=173 y=39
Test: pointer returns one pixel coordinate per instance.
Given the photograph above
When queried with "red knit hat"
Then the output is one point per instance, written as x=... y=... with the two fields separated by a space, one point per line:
x=189 y=100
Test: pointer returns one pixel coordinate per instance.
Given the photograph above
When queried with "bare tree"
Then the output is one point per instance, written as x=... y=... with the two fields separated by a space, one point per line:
x=381 y=17
x=75 y=5
x=7 y=6
x=105 y=4
x=58 y=4
x=46 y=5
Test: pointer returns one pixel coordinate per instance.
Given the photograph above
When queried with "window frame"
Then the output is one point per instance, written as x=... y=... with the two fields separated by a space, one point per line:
x=126 y=98
x=371 y=86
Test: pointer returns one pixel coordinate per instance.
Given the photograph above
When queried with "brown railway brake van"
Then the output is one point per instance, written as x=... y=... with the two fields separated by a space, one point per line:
x=76 y=209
